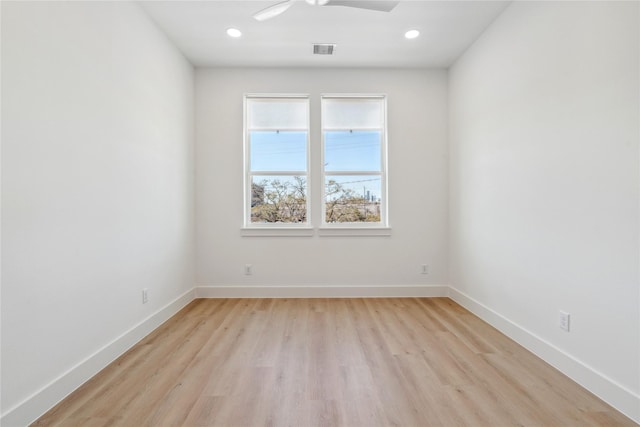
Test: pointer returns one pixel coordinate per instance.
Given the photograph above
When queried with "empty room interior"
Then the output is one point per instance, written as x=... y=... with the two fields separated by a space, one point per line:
x=321 y=212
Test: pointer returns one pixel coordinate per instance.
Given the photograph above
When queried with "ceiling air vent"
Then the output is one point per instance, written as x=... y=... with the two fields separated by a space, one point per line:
x=323 y=49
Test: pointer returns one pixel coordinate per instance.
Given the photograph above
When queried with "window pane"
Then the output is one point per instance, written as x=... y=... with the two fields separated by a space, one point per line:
x=277 y=113
x=352 y=151
x=359 y=113
x=352 y=198
x=278 y=151
x=278 y=199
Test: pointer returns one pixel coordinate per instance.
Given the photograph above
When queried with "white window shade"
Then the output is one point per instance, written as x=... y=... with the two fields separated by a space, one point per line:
x=352 y=113
x=274 y=114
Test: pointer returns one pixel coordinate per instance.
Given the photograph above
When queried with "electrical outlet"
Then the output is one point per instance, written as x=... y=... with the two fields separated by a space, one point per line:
x=564 y=321
x=425 y=269
x=145 y=295
x=248 y=269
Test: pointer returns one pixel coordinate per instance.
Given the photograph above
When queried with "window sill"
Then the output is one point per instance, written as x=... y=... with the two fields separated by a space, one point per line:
x=354 y=231
x=310 y=231
x=276 y=232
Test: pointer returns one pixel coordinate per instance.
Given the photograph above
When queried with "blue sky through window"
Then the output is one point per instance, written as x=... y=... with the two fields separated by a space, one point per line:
x=278 y=151
x=287 y=151
x=352 y=151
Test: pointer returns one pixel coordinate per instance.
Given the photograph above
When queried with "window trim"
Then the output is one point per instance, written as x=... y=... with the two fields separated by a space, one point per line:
x=356 y=228
x=250 y=228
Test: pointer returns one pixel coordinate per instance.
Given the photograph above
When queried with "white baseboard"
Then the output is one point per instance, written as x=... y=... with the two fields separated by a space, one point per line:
x=616 y=395
x=40 y=402
x=318 y=291
x=621 y=398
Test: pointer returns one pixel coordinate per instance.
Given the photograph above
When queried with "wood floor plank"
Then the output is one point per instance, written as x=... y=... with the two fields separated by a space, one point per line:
x=448 y=313
x=170 y=374
x=109 y=383
x=329 y=362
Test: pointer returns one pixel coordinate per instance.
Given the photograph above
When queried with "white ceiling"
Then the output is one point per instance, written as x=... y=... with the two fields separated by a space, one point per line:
x=364 y=38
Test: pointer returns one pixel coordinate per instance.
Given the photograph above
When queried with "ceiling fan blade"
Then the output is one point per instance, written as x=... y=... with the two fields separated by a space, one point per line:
x=380 y=5
x=273 y=10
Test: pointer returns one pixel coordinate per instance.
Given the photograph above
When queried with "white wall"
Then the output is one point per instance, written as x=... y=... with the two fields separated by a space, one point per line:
x=97 y=187
x=417 y=126
x=97 y=191
x=544 y=185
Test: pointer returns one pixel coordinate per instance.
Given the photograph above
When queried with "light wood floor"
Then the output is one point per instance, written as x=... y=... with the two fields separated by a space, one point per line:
x=329 y=362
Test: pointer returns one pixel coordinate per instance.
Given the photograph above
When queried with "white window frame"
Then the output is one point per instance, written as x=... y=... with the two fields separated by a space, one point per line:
x=274 y=229
x=357 y=228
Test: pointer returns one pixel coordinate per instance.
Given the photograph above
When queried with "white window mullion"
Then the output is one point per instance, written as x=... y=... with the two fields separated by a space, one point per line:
x=345 y=173
x=278 y=173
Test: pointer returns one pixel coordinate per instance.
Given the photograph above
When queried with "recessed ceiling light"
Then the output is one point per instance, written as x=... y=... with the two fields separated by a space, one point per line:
x=412 y=34
x=234 y=32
